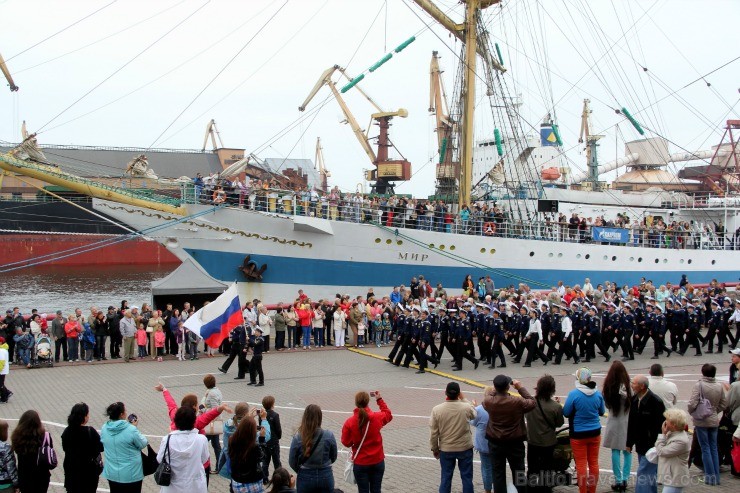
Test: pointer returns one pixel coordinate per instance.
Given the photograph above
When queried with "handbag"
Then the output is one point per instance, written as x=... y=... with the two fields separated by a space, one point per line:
x=97 y=461
x=47 y=456
x=704 y=407
x=349 y=472
x=215 y=427
x=149 y=461
x=163 y=474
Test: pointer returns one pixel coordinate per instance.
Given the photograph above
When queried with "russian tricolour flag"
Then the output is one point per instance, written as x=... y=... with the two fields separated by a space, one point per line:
x=214 y=321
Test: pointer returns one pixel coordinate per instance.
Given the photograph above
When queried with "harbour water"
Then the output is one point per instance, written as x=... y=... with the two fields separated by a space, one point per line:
x=51 y=288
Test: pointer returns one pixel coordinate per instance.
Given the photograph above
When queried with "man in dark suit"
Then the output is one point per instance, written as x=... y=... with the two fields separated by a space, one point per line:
x=645 y=424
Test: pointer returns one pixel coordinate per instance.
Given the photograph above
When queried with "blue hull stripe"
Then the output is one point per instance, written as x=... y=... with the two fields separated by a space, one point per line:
x=288 y=270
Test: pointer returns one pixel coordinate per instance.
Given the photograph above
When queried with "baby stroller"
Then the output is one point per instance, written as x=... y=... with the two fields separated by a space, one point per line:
x=43 y=354
x=562 y=457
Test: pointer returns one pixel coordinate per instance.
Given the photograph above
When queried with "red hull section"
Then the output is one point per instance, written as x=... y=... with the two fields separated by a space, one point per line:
x=35 y=247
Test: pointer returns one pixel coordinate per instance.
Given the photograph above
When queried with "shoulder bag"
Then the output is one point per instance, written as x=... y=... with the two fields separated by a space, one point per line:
x=349 y=473
x=97 y=461
x=703 y=407
x=149 y=461
x=47 y=456
x=163 y=474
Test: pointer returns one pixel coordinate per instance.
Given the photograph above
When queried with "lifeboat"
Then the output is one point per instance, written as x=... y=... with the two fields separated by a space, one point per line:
x=550 y=174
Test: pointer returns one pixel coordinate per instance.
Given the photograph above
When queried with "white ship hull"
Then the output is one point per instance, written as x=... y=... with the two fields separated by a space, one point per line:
x=325 y=257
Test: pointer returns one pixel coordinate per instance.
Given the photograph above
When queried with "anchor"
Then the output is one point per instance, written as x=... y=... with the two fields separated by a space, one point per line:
x=251 y=270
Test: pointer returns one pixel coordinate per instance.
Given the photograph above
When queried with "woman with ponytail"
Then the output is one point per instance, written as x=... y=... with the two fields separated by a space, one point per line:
x=361 y=432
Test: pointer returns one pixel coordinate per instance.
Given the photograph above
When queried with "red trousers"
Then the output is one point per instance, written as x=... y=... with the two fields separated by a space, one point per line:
x=586 y=455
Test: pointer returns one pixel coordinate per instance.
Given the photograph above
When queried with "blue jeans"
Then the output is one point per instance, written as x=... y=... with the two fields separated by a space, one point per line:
x=369 y=478
x=672 y=489
x=306 y=336
x=710 y=457
x=100 y=346
x=318 y=336
x=621 y=465
x=24 y=355
x=74 y=345
x=486 y=470
x=647 y=472
x=464 y=461
x=291 y=336
x=315 y=480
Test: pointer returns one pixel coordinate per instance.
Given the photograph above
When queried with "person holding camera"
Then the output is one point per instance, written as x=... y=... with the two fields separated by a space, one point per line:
x=361 y=433
x=122 y=444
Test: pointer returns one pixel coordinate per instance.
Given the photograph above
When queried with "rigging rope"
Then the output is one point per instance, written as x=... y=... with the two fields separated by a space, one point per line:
x=124 y=65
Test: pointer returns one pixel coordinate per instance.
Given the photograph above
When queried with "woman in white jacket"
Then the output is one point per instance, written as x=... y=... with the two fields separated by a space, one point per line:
x=186 y=451
x=338 y=324
x=265 y=324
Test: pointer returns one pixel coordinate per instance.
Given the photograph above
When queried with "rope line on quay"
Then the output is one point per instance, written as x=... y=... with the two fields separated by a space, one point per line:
x=458 y=258
x=428 y=370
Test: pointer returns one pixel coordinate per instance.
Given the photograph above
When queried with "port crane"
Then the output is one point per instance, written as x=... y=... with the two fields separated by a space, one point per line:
x=319 y=160
x=6 y=73
x=448 y=166
x=386 y=170
x=472 y=34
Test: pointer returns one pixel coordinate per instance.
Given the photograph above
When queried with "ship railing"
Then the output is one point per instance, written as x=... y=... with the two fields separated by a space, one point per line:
x=703 y=237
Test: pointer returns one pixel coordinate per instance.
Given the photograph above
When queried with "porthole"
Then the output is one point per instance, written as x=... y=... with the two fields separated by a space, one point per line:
x=665 y=260
x=549 y=254
x=714 y=262
x=531 y=254
x=657 y=260
x=377 y=240
x=689 y=260
x=431 y=245
x=493 y=250
x=605 y=257
x=482 y=250
x=632 y=259
x=452 y=247
x=588 y=256
x=681 y=261
x=578 y=255
x=560 y=255
x=399 y=243
x=614 y=258
x=389 y=241
x=639 y=259
x=441 y=247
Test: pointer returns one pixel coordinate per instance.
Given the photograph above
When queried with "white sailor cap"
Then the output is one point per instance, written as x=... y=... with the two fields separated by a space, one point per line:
x=495 y=310
x=416 y=308
x=714 y=302
x=466 y=304
x=648 y=304
x=482 y=305
x=657 y=307
x=612 y=304
x=451 y=310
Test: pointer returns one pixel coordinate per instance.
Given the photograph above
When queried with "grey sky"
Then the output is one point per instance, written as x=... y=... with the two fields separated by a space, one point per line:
x=678 y=40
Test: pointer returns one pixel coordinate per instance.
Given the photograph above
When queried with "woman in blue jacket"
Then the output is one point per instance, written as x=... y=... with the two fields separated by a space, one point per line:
x=583 y=407
x=122 y=443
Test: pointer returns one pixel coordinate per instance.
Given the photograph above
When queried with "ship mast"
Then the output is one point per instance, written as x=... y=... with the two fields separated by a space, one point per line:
x=467 y=32
x=6 y=73
x=592 y=145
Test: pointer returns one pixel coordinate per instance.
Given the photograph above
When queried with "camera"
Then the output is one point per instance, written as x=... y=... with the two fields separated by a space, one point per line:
x=373 y=394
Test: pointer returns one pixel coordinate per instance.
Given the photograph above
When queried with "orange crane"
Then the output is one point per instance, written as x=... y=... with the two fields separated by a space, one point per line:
x=386 y=170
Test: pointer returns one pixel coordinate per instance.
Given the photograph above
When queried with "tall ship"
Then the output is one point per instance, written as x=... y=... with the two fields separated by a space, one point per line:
x=508 y=204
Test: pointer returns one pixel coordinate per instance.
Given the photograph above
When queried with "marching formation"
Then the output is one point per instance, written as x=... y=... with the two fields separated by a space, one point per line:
x=557 y=327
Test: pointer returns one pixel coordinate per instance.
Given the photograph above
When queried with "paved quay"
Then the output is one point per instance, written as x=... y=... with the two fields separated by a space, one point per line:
x=326 y=377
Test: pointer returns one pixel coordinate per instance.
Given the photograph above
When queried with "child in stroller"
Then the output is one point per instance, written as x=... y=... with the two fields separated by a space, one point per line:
x=43 y=354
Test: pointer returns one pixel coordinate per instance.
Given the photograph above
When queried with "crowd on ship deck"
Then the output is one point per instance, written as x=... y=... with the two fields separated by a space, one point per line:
x=480 y=218
x=420 y=321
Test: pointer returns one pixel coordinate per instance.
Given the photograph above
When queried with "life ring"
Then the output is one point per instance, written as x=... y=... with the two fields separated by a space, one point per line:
x=489 y=229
